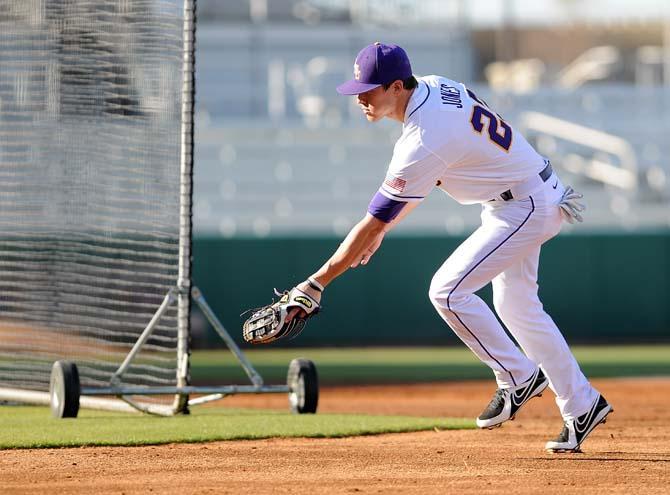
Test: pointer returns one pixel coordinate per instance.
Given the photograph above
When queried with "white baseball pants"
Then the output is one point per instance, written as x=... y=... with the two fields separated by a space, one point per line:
x=505 y=250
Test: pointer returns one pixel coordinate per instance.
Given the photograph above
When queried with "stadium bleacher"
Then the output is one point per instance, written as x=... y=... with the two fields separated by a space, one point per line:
x=279 y=152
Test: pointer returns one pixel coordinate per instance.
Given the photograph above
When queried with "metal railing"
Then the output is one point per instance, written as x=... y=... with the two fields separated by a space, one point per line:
x=622 y=174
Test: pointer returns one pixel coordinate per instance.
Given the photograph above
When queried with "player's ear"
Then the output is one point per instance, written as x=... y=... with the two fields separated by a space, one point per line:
x=397 y=87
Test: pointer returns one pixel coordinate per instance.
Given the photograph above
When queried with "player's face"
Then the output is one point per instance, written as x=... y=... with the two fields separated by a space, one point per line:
x=376 y=103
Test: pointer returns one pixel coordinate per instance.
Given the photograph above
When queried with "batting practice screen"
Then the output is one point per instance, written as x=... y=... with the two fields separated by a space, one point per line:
x=91 y=155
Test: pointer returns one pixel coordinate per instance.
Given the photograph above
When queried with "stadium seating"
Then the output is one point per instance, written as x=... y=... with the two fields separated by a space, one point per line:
x=309 y=163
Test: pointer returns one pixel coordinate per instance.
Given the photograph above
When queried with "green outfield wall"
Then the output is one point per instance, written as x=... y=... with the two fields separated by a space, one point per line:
x=599 y=288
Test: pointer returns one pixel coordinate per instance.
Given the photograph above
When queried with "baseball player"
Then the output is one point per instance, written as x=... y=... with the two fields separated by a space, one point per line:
x=452 y=139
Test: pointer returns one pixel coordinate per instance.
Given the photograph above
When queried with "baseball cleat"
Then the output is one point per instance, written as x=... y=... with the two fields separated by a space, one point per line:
x=506 y=402
x=575 y=431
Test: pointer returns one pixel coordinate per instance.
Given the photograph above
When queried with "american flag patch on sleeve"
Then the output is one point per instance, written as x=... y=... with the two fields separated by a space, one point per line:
x=395 y=183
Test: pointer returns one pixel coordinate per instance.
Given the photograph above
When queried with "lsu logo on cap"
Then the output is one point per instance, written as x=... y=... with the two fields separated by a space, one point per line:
x=304 y=301
x=357 y=72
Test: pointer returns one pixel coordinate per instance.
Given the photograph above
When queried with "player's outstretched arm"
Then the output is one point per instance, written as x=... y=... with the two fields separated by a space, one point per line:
x=359 y=245
x=359 y=240
x=364 y=235
x=365 y=257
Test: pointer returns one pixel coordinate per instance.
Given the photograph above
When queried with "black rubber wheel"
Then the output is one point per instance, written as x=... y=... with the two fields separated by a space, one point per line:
x=303 y=386
x=64 y=390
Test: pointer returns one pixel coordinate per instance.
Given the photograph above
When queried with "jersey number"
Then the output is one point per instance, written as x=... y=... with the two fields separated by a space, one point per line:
x=499 y=131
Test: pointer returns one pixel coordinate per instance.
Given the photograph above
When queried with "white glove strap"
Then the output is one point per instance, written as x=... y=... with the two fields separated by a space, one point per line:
x=304 y=301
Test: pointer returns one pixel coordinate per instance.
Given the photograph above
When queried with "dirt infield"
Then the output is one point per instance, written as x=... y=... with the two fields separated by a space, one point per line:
x=631 y=453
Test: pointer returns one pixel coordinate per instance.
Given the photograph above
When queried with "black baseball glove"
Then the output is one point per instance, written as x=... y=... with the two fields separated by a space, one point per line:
x=268 y=323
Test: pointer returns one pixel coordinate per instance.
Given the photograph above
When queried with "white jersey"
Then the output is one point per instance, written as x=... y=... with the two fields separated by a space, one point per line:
x=453 y=140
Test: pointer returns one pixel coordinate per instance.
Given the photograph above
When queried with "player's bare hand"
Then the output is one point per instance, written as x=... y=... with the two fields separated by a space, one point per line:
x=367 y=254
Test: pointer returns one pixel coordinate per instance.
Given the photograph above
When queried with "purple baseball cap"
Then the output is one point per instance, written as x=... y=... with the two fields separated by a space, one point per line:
x=375 y=65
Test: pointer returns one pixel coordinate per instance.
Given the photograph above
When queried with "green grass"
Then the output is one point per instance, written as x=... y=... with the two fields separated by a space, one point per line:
x=33 y=427
x=408 y=365
x=26 y=427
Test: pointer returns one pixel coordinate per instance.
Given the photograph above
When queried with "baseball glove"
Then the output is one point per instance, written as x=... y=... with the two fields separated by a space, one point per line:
x=268 y=323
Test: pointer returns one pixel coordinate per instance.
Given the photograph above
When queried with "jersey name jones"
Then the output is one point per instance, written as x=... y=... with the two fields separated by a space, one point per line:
x=450 y=96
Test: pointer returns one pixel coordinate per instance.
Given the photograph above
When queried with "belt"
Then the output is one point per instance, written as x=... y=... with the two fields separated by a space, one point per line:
x=544 y=175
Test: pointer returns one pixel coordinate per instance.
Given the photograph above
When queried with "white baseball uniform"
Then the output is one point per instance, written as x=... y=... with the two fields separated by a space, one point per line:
x=453 y=140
